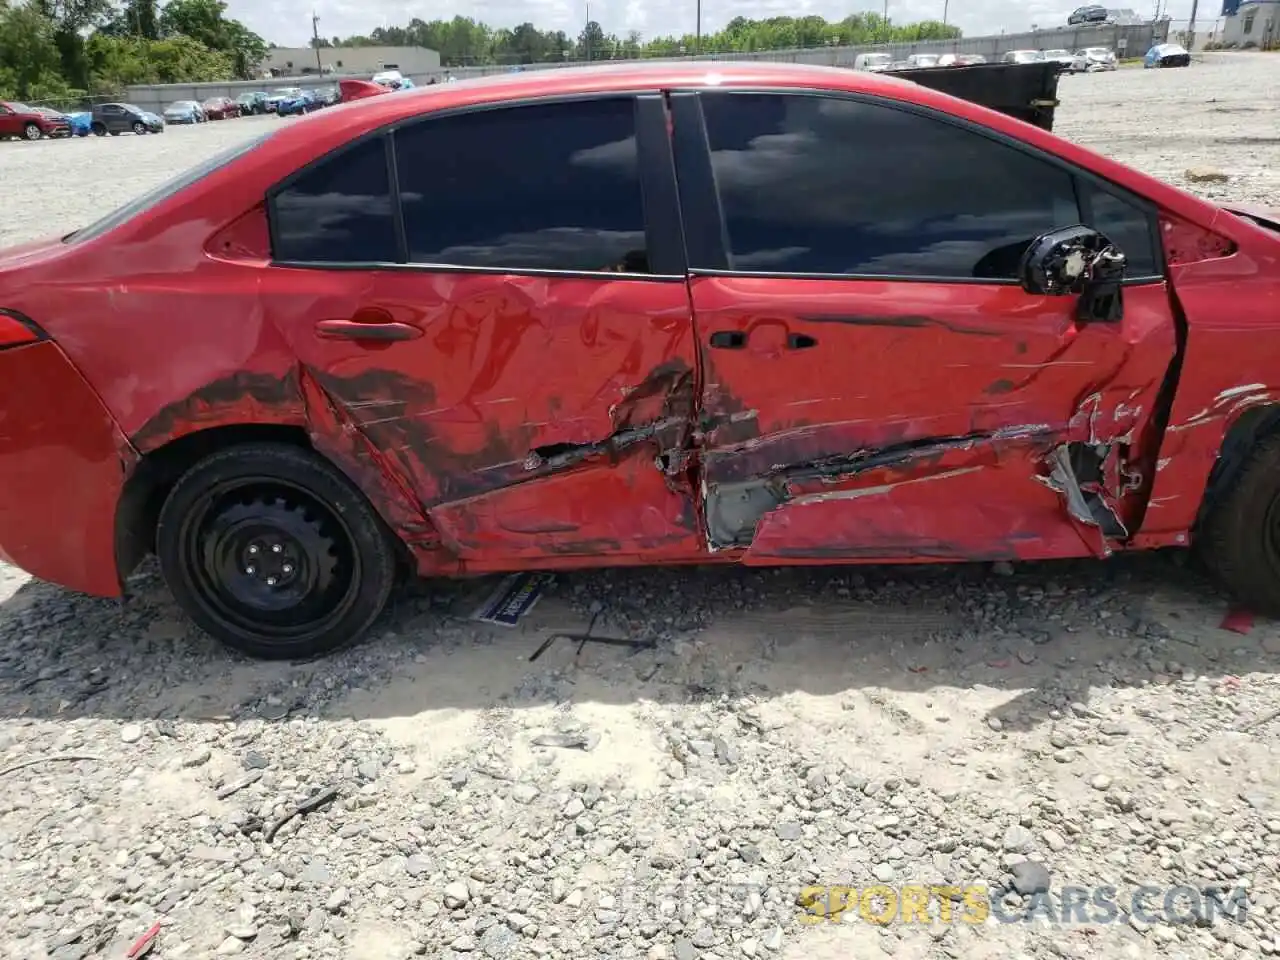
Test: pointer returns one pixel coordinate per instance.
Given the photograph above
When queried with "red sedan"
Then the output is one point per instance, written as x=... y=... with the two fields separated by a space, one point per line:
x=220 y=108
x=667 y=313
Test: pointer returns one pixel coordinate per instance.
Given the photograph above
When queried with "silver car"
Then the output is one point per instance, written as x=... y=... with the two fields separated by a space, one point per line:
x=1093 y=59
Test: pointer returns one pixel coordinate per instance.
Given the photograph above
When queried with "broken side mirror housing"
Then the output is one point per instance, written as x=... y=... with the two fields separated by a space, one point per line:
x=1077 y=261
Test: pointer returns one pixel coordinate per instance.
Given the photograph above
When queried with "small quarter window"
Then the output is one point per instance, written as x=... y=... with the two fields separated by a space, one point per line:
x=338 y=211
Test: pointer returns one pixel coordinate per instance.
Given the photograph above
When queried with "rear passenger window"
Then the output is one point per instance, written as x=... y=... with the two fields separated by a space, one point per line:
x=1129 y=228
x=539 y=187
x=338 y=211
x=813 y=184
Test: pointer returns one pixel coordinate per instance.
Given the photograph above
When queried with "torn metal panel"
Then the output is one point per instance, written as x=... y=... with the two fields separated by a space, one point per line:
x=334 y=434
x=977 y=513
x=601 y=509
x=988 y=375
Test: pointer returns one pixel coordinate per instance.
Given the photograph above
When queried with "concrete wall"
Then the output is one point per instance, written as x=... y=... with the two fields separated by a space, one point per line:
x=299 y=61
x=1138 y=39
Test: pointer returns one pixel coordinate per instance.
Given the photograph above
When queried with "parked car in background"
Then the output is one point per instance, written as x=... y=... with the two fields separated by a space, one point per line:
x=1092 y=13
x=875 y=62
x=971 y=59
x=81 y=122
x=31 y=123
x=304 y=102
x=918 y=60
x=118 y=118
x=280 y=96
x=254 y=102
x=58 y=117
x=1023 y=56
x=184 y=111
x=220 y=108
x=1167 y=55
x=1064 y=57
x=328 y=96
x=1094 y=59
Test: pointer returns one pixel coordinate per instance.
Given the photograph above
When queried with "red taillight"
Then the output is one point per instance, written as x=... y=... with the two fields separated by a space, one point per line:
x=15 y=330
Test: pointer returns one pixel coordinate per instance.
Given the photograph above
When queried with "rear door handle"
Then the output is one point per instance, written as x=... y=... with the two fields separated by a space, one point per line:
x=800 y=341
x=355 y=330
x=728 y=340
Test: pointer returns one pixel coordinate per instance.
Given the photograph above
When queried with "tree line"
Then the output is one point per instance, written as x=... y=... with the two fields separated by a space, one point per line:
x=466 y=42
x=65 y=50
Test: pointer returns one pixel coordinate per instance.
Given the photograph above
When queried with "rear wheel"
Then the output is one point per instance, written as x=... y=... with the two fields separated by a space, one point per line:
x=99 y=130
x=1240 y=539
x=32 y=131
x=271 y=550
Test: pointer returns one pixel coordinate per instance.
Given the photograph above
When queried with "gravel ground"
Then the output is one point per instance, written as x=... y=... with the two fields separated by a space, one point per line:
x=1069 y=725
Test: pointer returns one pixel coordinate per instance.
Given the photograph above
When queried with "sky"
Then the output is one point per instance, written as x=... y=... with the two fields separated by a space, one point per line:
x=288 y=22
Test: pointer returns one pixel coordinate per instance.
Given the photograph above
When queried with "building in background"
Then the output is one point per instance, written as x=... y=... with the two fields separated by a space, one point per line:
x=1251 y=24
x=302 y=61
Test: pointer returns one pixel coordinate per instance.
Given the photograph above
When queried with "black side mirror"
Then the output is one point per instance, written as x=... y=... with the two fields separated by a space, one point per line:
x=1077 y=261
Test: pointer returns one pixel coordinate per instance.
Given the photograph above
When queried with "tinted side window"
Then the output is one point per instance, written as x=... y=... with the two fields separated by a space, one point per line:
x=547 y=186
x=814 y=184
x=339 y=210
x=1129 y=228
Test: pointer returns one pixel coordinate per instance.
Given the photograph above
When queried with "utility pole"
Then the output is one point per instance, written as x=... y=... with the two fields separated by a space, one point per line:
x=586 y=30
x=1191 y=26
x=315 y=32
x=945 y=4
x=697 y=31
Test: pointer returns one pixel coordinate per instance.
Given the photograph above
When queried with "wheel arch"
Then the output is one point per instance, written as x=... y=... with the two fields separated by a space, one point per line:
x=145 y=491
x=1245 y=432
x=138 y=508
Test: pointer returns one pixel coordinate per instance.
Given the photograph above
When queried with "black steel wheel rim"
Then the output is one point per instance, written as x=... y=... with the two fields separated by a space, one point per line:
x=267 y=558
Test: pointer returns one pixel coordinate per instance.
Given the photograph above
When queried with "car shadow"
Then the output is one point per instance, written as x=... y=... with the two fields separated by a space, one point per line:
x=1031 y=641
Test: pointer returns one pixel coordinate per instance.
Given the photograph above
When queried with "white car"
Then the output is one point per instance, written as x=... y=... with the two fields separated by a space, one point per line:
x=1023 y=56
x=1064 y=57
x=917 y=60
x=1093 y=59
x=875 y=62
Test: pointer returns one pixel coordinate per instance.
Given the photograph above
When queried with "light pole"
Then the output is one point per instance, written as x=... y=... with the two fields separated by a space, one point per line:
x=945 y=4
x=587 y=29
x=884 y=25
x=315 y=33
x=697 y=30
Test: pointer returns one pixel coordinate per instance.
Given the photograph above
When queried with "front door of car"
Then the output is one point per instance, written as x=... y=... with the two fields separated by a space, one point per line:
x=496 y=301
x=876 y=383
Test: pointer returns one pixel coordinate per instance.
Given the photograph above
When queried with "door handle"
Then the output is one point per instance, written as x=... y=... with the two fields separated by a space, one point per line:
x=800 y=341
x=355 y=330
x=728 y=340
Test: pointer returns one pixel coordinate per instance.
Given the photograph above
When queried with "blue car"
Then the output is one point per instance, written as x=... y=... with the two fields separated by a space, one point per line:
x=294 y=102
x=81 y=123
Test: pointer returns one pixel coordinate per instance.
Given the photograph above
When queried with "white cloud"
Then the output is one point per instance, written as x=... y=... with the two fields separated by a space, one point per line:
x=288 y=22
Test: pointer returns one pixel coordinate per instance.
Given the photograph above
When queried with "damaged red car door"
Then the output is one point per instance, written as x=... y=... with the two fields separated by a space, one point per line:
x=876 y=381
x=498 y=306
